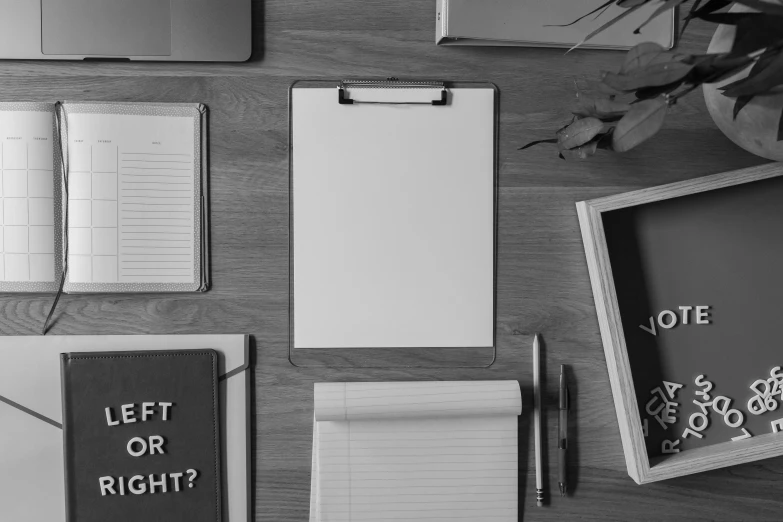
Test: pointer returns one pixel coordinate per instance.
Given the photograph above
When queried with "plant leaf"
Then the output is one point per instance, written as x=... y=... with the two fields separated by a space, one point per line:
x=710 y=68
x=579 y=133
x=765 y=7
x=740 y=103
x=605 y=140
x=537 y=142
x=603 y=88
x=769 y=75
x=780 y=127
x=709 y=7
x=668 y=4
x=611 y=108
x=581 y=152
x=753 y=34
x=607 y=25
x=561 y=129
x=729 y=18
x=694 y=8
x=653 y=75
x=601 y=12
x=640 y=55
x=601 y=108
x=627 y=4
x=647 y=93
x=759 y=66
x=639 y=124
x=602 y=6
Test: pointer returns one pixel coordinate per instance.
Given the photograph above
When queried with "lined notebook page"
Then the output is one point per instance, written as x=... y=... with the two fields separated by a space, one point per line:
x=130 y=198
x=433 y=451
x=27 y=195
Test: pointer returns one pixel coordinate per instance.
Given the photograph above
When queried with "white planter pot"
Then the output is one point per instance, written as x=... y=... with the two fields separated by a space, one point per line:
x=756 y=126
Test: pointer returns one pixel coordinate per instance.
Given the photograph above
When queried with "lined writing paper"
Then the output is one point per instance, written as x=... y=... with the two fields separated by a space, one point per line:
x=26 y=196
x=434 y=451
x=156 y=216
x=131 y=198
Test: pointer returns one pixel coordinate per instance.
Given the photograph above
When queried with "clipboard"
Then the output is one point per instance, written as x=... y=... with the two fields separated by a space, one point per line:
x=393 y=223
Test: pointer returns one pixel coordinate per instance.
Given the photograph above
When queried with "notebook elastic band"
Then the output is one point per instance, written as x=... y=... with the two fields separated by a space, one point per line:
x=61 y=124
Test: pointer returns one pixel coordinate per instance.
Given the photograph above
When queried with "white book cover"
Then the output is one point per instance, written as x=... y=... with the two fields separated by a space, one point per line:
x=531 y=23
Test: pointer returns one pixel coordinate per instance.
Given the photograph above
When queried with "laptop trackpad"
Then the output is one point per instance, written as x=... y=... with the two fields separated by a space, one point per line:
x=106 y=27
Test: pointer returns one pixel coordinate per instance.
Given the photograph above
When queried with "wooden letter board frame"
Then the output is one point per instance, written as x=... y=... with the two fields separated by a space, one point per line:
x=640 y=467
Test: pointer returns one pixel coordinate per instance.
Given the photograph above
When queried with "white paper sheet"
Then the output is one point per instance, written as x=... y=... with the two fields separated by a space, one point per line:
x=426 y=451
x=26 y=197
x=131 y=199
x=393 y=219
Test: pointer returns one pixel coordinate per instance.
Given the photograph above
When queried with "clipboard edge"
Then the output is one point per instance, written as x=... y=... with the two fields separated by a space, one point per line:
x=449 y=84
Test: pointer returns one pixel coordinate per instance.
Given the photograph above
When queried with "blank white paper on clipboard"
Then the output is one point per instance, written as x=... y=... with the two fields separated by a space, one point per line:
x=393 y=218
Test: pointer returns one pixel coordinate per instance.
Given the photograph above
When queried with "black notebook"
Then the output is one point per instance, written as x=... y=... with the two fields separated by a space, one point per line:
x=141 y=436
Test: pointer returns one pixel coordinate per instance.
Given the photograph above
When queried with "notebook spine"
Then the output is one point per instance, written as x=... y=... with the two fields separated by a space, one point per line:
x=70 y=508
x=61 y=139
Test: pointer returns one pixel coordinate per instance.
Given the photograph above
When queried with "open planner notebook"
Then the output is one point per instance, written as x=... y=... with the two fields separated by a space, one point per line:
x=423 y=451
x=114 y=194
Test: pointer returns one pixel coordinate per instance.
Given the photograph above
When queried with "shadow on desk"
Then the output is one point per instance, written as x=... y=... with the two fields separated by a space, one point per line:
x=253 y=426
x=257 y=14
x=572 y=458
x=525 y=434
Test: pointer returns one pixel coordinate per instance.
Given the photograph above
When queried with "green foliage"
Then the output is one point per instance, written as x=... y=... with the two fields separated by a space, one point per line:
x=664 y=69
x=604 y=109
x=657 y=78
x=640 y=56
x=579 y=133
x=639 y=124
x=761 y=81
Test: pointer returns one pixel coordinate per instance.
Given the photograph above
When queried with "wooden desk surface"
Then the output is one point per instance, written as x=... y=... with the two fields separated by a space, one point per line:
x=542 y=276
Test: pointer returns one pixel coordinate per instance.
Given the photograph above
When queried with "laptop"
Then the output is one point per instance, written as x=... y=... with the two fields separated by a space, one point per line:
x=160 y=30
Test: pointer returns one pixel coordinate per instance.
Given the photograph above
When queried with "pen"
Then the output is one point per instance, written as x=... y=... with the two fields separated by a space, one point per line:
x=537 y=419
x=562 y=432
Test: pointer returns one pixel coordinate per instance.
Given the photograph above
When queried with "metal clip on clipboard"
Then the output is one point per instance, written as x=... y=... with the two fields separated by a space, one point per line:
x=392 y=83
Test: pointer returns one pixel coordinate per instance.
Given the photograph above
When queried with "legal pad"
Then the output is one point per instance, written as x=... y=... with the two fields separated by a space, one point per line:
x=425 y=451
x=112 y=194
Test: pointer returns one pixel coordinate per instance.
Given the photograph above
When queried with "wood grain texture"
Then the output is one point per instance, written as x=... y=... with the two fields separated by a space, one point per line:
x=543 y=284
x=615 y=350
x=640 y=467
